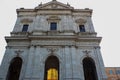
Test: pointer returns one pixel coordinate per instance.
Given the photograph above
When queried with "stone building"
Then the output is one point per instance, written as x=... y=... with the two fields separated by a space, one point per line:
x=113 y=73
x=53 y=41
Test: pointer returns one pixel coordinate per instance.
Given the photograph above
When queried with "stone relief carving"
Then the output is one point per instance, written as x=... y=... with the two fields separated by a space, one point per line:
x=80 y=21
x=18 y=52
x=52 y=50
x=53 y=18
x=26 y=20
x=54 y=6
x=87 y=52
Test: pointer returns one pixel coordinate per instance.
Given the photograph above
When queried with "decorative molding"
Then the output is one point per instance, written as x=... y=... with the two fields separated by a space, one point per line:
x=18 y=52
x=53 y=43
x=26 y=20
x=87 y=52
x=52 y=50
x=53 y=18
x=53 y=5
x=80 y=21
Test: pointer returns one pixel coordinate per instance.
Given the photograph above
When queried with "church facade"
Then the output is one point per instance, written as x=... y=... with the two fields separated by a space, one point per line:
x=53 y=41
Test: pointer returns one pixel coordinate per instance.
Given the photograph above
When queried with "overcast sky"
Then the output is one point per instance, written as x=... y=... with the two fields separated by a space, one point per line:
x=106 y=20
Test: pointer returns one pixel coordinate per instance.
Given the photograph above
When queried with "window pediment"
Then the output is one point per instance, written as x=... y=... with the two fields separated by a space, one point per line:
x=53 y=19
x=81 y=21
x=26 y=20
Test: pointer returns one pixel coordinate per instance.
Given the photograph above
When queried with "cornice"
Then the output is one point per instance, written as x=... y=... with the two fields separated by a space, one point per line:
x=46 y=11
x=66 y=37
x=8 y=38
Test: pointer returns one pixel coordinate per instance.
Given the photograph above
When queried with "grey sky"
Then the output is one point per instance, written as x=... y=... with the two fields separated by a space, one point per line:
x=106 y=15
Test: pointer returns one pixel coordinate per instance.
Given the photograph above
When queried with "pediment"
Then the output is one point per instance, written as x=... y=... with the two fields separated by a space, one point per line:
x=54 y=5
x=80 y=21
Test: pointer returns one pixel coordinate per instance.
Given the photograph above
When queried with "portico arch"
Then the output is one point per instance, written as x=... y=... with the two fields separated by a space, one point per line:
x=89 y=69
x=51 y=68
x=14 y=69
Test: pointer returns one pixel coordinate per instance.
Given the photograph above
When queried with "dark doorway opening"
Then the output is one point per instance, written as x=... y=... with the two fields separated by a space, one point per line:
x=14 y=69
x=89 y=69
x=51 y=68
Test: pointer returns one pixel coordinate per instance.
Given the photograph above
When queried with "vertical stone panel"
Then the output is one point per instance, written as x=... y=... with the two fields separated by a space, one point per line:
x=62 y=64
x=37 y=62
x=68 y=64
x=29 y=67
x=5 y=63
x=100 y=68
x=75 y=63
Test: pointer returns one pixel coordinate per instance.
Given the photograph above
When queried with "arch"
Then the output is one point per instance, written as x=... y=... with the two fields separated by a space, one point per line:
x=52 y=54
x=89 y=69
x=14 y=69
x=51 y=68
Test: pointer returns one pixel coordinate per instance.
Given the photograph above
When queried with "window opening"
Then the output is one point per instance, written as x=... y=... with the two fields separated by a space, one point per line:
x=82 y=28
x=53 y=26
x=14 y=69
x=25 y=28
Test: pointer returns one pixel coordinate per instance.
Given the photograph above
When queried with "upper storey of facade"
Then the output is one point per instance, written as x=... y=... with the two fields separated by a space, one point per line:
x=54 y=18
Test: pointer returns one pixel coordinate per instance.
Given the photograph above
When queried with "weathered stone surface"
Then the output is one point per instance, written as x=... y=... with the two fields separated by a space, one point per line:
x=67 y=43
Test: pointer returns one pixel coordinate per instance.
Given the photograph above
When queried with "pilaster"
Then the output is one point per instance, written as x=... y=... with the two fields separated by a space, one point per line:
x=30 y=63
x=75 y=64
x=68 y=66
x=100 y=68
x=5 y=64
x=37 y=64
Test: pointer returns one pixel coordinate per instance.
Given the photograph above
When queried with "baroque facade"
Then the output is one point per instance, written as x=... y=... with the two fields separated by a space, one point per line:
x=53 y=41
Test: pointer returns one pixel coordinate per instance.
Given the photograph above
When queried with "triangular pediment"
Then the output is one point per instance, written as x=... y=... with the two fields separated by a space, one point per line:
x=54 y=5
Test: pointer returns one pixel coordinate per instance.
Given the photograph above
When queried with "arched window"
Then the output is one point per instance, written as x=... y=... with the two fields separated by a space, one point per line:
x=89 y=69
x=14 y=69
x=51 y=68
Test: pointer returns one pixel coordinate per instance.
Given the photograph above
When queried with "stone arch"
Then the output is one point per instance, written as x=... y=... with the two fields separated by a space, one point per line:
x=51 y=54
x=89 y=68
x=51 y=63
x=89 y=55
x=14 y=69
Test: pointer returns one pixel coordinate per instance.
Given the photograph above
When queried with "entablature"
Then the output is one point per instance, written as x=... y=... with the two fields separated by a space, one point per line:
x=53 y=38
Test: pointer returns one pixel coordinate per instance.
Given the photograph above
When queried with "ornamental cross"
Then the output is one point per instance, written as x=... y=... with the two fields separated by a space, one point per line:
x=18 y=52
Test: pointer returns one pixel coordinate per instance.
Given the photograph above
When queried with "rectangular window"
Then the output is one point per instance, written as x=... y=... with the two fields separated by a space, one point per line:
x=110 y=72
x=117 y=71
x=53 y=26
x=25 y=28
x=82 y=28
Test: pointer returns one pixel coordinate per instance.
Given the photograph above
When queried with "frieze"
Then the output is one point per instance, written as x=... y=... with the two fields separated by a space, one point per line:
x=62 y=43
x=52 y=42
x=87 y=44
